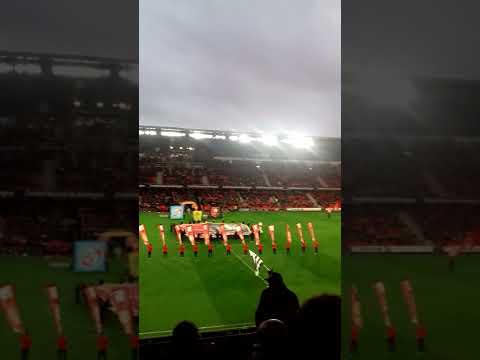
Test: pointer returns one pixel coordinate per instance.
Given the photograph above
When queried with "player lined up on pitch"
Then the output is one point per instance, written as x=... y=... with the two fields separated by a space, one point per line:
x=208 y=233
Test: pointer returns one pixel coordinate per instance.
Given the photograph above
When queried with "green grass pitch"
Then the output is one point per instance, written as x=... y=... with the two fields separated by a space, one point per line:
x=29 y=275
x=222 y=292
x=447 y=304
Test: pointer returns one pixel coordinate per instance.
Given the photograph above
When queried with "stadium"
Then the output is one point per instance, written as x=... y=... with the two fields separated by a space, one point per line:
x=240 y=180
x=68 y=207
x=411 y=212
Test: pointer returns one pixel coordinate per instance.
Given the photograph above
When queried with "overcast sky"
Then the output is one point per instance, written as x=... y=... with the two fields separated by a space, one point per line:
x=106 y=28
x=427 y=37
x=241 y=65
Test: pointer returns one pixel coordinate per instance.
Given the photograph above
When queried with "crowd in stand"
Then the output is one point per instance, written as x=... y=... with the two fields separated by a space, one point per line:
x=412 y=167
x=238 y=173
x=49 y=227
x=159 y=199
x=410 y=224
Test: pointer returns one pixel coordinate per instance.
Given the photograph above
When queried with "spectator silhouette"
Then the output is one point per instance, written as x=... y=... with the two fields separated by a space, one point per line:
x=272 y=338
x=317 y=327
x=276 y=302
x=185 y=342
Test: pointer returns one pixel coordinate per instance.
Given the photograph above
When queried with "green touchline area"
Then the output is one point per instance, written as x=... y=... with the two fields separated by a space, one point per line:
x=451 y=319
x=222 y=292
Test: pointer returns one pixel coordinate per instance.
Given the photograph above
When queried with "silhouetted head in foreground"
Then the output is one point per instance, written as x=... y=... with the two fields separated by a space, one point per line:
x=275 y=280
x=318 y=325
x=272 y=332
x=185 y=334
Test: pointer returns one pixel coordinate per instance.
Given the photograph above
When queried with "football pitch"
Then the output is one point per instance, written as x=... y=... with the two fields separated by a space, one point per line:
x=447 y=304
x=221 y=292
x=29 y=275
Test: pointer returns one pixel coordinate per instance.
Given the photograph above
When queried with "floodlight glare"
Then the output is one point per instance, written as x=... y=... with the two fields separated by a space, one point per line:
x=172 y=133
x=200 y=136
x=269 y=140
x=245 y=139
x=299 y=142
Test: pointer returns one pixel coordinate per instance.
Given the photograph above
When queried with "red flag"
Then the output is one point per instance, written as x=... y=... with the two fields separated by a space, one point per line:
x=409 y=298
x=91 y=296
x=119 y=300
x=54 y=304
x=300 y=233
x=9 y=306
x=162 y=234
x=143 y=234
x=382 y=301
x=356 y=313
x=271 y=232
x=311 y=232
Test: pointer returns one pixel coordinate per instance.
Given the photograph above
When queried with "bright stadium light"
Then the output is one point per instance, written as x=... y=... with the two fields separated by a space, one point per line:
x=299 y=142
x=233 y=138
x=220 y=137
x=271 y=140
x=245 y=139
x=172 y=133
x=147 y=132
x=200 y=136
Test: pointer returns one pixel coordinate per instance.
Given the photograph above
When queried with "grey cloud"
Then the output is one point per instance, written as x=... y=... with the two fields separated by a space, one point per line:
x=250 y=65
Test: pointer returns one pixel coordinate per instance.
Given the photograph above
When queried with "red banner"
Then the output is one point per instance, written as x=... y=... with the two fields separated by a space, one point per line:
x=409 y=298
x=240 y=234
x=300 y=233
x=311 y=232
x=143 y=234
x=190 y=235
x=162 y=233
x=92 y=302
x=289 y=234
x=120 y=303
x=357 y=320
x=382 y=301
x=54 y=304
x=271 y=232
x=9 y=306
x=206 y=234
x=179 y=234
x=256 y=234
x=224 y=235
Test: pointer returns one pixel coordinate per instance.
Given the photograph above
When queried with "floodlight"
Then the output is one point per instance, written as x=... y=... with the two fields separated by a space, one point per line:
x=200 y=136
x=245 y=139
x=269 y=140
x=299 y=142
x=172 y=133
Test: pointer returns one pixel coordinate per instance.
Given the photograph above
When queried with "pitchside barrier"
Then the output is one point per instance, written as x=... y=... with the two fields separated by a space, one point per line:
x=397 y=249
